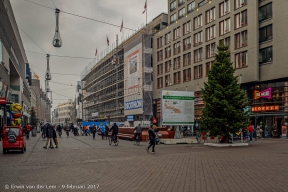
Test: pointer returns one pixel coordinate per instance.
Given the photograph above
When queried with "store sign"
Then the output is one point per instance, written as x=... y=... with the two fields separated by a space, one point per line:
x=95 y=114
x=130 y=117
x=136 y=104
x=265 y=94
x=266 y=108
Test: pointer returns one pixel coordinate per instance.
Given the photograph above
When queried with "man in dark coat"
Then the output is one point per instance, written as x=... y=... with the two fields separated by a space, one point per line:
x=49 y=136
x=152 y=137
x=114 y=130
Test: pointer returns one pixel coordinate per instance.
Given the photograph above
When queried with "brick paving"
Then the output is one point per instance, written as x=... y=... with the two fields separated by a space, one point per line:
x=81 y=161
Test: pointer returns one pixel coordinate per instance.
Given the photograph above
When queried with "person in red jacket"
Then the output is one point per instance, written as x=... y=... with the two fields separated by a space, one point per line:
x=250 y=129
x=28 y=129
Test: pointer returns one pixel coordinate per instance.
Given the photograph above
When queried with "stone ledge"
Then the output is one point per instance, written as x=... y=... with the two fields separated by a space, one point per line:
x=177 y=141
x=227 y=144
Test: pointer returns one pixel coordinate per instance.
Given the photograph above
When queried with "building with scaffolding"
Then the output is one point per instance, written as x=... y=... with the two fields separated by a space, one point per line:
x=118 y=82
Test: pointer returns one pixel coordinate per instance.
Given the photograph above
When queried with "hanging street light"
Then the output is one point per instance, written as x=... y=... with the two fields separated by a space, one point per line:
x=57 y=42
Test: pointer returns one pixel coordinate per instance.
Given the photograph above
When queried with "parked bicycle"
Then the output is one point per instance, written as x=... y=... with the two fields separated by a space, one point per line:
x=114 y=140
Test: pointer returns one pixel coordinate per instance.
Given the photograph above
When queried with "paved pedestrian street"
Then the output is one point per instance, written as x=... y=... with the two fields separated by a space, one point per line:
x=83 y=164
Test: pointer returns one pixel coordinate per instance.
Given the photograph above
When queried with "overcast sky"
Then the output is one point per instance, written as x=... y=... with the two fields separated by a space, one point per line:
x=80 y=37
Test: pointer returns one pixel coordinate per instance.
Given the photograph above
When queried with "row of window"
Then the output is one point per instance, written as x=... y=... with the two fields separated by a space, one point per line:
x=224 y=27
x=240 y=60
x=186 y=75
x=224 y=8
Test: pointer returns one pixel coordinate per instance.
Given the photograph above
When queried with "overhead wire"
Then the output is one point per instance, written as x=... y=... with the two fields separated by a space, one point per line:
x=80 y=16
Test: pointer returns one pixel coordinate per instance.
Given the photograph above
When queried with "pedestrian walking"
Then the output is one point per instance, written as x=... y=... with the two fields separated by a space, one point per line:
x=94 y=129
x=54 y=138
x=106 y=131
x=28 y=129
x=67 y=130
x=152 y=137
x=250 y=129
x=254 y=133
x=0 y=132
x=49 y=136
x=102 y=129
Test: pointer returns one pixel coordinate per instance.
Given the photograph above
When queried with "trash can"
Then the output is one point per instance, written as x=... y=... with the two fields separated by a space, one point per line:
x=34 y=132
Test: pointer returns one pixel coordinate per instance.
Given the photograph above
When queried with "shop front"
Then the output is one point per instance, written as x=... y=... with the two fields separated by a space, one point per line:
x=269 y=107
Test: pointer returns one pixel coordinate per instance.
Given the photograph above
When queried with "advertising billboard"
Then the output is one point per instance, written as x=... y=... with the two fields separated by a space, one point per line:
x=133 y=100
x=177 y=108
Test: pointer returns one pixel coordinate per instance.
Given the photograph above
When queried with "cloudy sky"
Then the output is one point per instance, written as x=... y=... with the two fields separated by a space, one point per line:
x=80 y=36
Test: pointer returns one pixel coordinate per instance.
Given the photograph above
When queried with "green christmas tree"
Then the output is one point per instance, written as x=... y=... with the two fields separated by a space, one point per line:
x=225 y=102
x=33 y=120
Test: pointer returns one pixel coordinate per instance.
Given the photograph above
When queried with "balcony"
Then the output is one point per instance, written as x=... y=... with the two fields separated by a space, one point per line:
x=172 y=9
x=180 y=16
x=181 y=3
x=191 y=10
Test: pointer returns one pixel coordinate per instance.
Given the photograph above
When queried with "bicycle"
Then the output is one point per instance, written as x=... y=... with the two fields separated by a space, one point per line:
x=114 y=139
x=137 y=140
x=198 y=136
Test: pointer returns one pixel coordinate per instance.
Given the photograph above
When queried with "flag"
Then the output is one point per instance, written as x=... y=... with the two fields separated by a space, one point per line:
x=121 y=26
x=96 y=52
x=36 y=76
x=107 y=41
x=145 y=6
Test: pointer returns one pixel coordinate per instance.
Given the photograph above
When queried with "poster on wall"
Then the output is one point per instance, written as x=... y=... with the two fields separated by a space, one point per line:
x=177 y=108
x=133 y=70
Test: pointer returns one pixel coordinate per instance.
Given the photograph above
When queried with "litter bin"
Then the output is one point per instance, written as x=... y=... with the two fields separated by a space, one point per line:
x=34 y=132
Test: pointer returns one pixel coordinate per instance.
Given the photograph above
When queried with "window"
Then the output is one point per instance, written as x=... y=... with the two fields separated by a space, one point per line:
x=173 y=18
x=225 y=26
x=241 y=39
x=240 y=3
x=173 y=6
x=202 y=3
x=191 y=7
x=187 y=59
x=176 y=33
x=210 y=33
x=176 y=48
x=187 y=43
x=159 y=55
x=210 y=50
x=265 y=33
x=160 y=69
x=208 y=67
x=181 y=13
x=187 y=75
x=198 y=72
x=265 y=12
x=197 y=22
x=168 y=65
x=265 y=55
x=198 y=38
x=241 y=60
x=177 y=78
x=198 y=55
x=159 y=42
x=167 y=38
x=225 y=41
x=187 y=28
x=168 y=52
x=210 y=15
x=160 y=82
x=181 y=2
x=176 y=63
x=14 y=98
x=167 y=80
x=224 y=8
x=241 y=19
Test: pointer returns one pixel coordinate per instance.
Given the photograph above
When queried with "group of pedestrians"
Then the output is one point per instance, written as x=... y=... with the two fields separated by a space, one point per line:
x=50 y=131
x=93 y=129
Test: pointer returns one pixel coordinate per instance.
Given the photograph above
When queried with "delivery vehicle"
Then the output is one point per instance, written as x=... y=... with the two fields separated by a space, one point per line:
x=13 y=139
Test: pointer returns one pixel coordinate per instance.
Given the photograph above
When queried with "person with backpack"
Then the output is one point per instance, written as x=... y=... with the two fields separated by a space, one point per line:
x=28 y=129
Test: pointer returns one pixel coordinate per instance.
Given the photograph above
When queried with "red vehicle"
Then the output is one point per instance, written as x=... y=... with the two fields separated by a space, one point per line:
x=13 y=139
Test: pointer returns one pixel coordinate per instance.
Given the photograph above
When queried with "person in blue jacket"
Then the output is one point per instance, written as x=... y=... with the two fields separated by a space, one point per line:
x=102 y=129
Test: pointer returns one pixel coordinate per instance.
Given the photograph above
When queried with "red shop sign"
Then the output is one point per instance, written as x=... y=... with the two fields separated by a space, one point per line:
x=2 y=101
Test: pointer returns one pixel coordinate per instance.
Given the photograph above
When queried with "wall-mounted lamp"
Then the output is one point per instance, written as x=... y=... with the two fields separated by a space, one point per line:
x=210 y=2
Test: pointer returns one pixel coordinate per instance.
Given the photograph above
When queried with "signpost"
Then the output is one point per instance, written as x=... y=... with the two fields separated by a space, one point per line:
x=177 y=108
